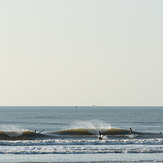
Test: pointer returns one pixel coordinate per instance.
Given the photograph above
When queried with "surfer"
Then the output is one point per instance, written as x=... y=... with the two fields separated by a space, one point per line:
x=40 y=131
x=130 y=131
x=100 y=136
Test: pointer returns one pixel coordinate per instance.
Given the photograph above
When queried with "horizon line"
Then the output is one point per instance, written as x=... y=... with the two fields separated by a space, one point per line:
x=81 y=105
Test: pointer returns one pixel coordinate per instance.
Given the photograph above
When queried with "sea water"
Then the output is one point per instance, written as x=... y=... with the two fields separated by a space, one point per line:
x=70 y=134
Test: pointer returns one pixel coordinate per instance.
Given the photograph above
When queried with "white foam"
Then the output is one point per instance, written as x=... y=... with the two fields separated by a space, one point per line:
x=86 y=149
x=105 y=141
x=14 y=134
x=11 y=130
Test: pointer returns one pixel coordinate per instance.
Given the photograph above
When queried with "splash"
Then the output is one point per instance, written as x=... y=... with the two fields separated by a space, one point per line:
x=11 y=128
x=94 y=126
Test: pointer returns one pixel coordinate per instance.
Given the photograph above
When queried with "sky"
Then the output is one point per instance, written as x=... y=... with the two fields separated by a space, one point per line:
x=81 y=52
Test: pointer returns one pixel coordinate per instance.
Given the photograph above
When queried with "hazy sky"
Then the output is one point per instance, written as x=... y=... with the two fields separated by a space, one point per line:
x=81 y=52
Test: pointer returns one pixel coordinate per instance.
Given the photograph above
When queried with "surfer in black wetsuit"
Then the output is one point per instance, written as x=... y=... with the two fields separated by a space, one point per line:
x=100 y=136
x=130 y=131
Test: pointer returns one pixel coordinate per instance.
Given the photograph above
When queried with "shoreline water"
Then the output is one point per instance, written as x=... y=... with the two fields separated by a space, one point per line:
x=87 y=158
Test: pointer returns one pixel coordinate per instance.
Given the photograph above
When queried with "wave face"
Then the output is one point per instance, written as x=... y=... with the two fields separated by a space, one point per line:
x=76 y=133
x=20 y=135
x=112 y=132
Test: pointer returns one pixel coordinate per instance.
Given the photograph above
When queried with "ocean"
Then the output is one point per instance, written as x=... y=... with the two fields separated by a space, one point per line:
x=72 y=134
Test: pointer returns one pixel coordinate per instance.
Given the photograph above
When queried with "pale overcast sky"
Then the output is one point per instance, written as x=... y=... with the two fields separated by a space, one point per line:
x=81 y=52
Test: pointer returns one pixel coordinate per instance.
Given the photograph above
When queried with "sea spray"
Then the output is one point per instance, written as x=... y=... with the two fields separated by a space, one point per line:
x=93 y=126
x=11 y=130
x=14 y=134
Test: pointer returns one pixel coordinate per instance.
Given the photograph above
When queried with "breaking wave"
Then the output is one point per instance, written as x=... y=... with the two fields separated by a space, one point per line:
x=77 y=133
x=111 y=133
x=20 y=135
x=80 y=141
